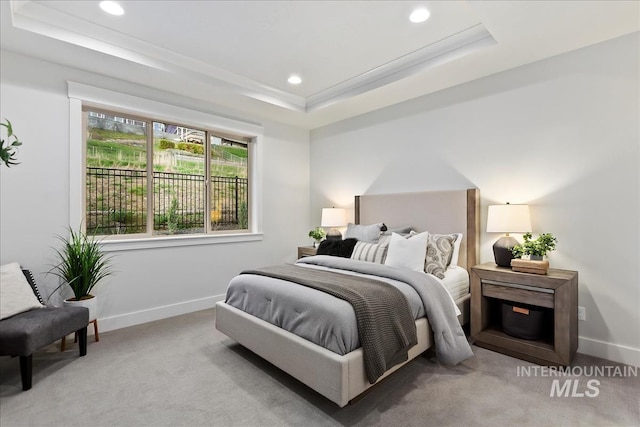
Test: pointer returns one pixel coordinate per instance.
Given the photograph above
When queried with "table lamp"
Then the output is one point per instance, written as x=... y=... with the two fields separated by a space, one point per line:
x=507 y=219
x=332 y=218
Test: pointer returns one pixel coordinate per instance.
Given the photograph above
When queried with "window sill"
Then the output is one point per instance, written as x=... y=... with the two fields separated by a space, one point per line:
x=113 y=245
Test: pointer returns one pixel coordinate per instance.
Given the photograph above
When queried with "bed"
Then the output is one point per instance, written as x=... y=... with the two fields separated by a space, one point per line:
x=342 y=377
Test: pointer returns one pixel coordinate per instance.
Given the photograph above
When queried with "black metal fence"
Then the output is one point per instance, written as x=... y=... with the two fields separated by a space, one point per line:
x=116 y=202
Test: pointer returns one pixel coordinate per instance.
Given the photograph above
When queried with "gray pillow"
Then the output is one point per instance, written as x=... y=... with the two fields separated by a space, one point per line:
x=406 y=232
x=397 y=230
x=364 y=233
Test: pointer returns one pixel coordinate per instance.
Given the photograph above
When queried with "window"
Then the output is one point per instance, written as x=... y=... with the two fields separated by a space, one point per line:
x=147 y=177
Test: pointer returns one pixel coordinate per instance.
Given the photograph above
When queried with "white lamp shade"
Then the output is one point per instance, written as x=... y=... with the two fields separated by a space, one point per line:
x=333 y=217
x=508 y=219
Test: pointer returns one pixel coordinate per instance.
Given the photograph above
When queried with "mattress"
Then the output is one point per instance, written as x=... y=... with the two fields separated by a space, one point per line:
x=456 y=282
x=314 y=315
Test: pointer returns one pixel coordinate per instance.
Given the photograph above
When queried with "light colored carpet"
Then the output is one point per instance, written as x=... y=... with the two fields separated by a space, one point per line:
x=183 y=372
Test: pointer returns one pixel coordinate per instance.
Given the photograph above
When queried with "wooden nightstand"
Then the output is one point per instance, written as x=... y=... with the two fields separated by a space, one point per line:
x=304 y=251
x=556 y=292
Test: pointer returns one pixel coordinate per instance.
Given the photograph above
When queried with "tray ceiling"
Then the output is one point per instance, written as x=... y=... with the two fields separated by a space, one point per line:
x=353 y=57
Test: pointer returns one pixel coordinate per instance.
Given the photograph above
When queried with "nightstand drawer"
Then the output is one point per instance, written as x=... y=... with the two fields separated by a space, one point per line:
x=509 y=292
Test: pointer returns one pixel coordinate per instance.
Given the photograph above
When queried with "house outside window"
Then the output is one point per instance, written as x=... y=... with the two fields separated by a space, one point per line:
x=147 y=178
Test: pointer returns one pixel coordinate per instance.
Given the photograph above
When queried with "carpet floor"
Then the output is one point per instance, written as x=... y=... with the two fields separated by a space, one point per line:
x=183 y=372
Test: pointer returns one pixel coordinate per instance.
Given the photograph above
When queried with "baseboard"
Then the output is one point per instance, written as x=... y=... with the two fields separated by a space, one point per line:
x=609 y=351
x=156 y=313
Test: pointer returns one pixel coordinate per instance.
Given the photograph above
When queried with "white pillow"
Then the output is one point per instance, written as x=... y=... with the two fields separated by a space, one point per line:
x=456 y=251
x=16 y=295
x=407 y=253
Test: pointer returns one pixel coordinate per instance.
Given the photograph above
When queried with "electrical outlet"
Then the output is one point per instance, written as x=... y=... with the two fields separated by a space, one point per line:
x=581 y=313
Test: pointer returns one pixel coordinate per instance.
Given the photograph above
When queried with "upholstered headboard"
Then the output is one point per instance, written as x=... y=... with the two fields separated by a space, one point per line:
x=440 y=212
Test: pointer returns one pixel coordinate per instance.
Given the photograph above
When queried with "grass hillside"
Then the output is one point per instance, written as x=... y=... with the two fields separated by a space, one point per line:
x=113 y=149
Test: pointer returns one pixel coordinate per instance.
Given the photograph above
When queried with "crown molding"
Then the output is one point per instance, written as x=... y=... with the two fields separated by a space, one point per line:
x=448 y=49
x=49 y=22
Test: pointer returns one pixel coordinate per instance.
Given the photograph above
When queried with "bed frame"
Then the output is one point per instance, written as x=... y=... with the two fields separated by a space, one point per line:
x=342 y=378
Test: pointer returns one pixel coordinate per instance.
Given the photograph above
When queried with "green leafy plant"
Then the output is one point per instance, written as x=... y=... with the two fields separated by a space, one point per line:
x=538 y=247
x=7 y=153
x=166 y=144
x=317 y=234
x=81 y=264
x=243 y=215
x=190 y=147
x=172 y=216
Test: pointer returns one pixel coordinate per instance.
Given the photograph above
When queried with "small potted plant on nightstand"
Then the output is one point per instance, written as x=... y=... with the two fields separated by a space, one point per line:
x=317 y=234
x=535 y=250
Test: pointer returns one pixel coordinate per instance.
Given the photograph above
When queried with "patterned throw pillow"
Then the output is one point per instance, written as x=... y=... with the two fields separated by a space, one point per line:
x=439 y=252
x=371 y=252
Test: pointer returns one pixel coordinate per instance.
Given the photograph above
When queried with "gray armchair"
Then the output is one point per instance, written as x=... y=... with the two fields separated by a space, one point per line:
x=23 y=334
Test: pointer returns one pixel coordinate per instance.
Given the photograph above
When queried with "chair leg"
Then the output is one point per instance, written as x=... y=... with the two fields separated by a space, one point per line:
x=26 y=363
x=63 y=344
x=82 y=337
x=95 y=330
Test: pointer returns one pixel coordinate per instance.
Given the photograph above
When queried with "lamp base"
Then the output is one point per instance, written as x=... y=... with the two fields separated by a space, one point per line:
x=334 y=234
x=502 y=250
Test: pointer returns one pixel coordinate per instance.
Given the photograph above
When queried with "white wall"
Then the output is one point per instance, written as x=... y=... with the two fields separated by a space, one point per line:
x=561 y=135
x=148 y=284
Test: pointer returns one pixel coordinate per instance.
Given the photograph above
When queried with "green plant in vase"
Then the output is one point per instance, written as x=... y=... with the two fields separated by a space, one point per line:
x=536 y=249
x=317 y=234
x=81 y=265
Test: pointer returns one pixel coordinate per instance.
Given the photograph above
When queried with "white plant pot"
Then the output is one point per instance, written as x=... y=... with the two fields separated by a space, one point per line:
x=91 y=303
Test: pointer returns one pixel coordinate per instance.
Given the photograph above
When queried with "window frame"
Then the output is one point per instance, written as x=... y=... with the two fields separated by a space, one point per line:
x=82 y=97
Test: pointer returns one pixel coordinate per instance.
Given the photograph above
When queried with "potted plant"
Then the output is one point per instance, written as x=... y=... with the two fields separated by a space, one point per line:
x=317 y=234
x=536 y=249
x=7 y=153
x=81 y=265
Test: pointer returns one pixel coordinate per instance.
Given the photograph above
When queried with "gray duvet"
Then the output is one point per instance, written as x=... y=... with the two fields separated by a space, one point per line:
x=386 y=328
x=330 y=322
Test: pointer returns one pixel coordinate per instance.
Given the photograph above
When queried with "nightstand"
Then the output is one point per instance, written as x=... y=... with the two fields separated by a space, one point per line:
x=556 y=293
x=304 y=251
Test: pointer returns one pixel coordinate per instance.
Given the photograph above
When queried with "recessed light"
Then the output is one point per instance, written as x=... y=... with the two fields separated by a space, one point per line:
x=112 y=8
x=419 y=15
x=294 y=80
